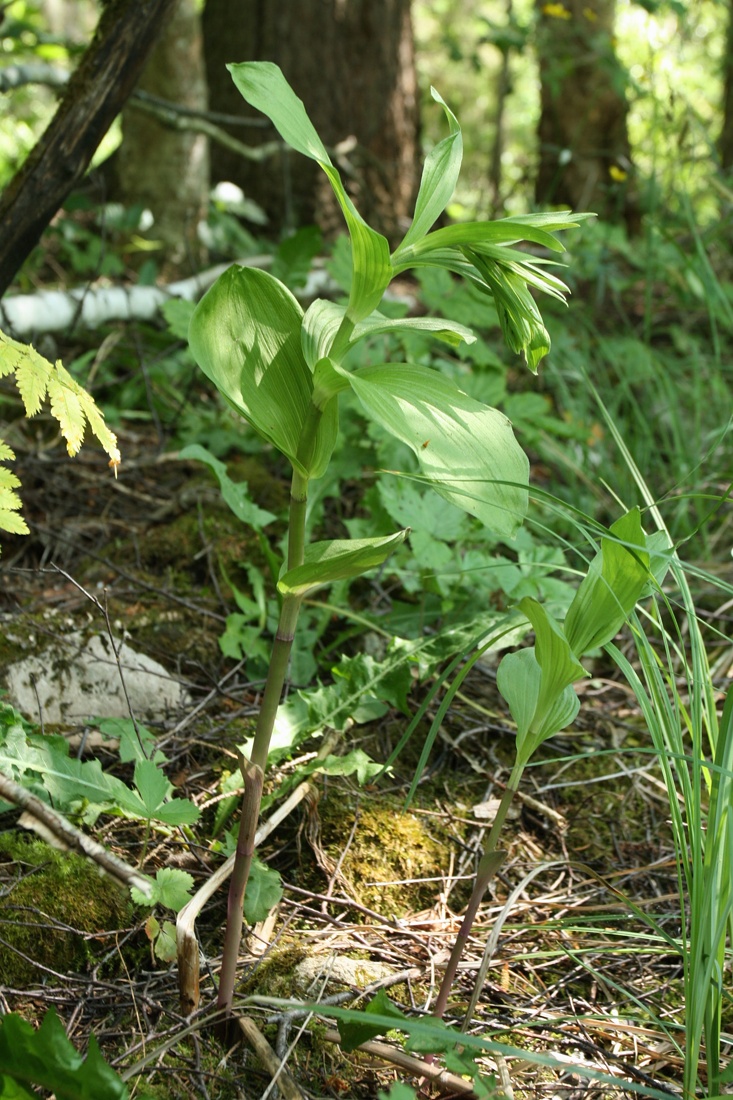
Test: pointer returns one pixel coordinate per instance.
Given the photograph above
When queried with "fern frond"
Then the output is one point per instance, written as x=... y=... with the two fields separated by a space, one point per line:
x=10 y=502
x=37 y=378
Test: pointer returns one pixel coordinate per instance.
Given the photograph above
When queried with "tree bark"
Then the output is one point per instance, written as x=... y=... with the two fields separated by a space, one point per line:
x=168 y=170
x=352 y=62
x=95 y=95
x=585 y=157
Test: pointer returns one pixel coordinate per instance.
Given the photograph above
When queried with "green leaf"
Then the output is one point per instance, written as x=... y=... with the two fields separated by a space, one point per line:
x=439 y=178
x=172 y=888
x=154 y=789
x=235 y=494
x=616 y=580
x=355 y=763
x=336 y=560
x=165 y=947
x=536 y=682
x=47 y=1059
x=245 y=336
x=466 y=450
x=135 y=744
x=264 y=890
x=356 y=1031
x=323 y=320
x=263 y=85
x=178 y=313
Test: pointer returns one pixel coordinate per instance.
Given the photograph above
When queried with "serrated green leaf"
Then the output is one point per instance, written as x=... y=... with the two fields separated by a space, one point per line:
x=165 y=947
x=46 y=1058
x=153 y=788
x=355 y=763
x=6 y=452
x=336 y=560
x=263 y=85
x=136 y=743
x=66 y=408
x=245 y=337
x=616 y=579
x=172 y=888
x=234 y=494
x=264 y=890
x=466 y=450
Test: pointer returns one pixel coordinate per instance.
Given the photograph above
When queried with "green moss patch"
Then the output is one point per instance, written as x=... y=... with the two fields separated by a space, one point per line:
x=51 y=906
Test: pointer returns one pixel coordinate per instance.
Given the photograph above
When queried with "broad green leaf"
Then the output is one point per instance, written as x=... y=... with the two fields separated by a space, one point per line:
x=264 y=890
x=439 y=177
x=519 y=679
x=235 y=494
x=559 y=665
x=46 y=1058
x=323 y=320
x=466 y=450
x=263 y=85
x=336 y=560
x=536 y=682
x=360 y=1030
x=450 y=332
x=245 y=336
x=616 y=579
x=355 y=763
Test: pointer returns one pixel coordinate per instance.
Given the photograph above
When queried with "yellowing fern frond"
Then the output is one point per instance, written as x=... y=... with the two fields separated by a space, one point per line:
x=10 y=502
x=71 y=405
x=37 y=378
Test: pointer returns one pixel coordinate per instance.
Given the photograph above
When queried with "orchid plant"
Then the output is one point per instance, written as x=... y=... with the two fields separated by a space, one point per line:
x=284 y=370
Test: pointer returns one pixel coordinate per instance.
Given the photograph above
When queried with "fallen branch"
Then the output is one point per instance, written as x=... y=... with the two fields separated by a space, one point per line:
x=451 y=1082
x=28 y=316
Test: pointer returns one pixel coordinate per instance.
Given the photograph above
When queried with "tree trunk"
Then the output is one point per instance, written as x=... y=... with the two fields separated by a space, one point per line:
x=352 y=63
x=95 y=95
x=725 y=141
x=585 y=158
x=165 y=169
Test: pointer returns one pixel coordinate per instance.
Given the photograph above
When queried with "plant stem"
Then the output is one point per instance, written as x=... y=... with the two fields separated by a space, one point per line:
x=253 y=780
x=254 y=769
x=490 y=863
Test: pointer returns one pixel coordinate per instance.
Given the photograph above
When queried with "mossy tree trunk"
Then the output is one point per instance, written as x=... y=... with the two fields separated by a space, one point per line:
x=168 y=169
x=352 y=62
x=584 y=152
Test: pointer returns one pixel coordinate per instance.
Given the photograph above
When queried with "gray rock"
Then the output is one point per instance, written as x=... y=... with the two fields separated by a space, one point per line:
x=80 y=680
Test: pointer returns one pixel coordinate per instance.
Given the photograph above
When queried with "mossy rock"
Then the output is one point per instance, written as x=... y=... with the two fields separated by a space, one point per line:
x=51 y=905
x=392 y=855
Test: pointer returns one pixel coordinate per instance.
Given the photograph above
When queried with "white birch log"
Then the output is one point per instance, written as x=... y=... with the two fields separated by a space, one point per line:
x=27 y=316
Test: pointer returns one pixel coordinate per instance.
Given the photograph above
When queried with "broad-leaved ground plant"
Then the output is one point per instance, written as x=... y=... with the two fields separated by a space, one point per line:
x=283 y=370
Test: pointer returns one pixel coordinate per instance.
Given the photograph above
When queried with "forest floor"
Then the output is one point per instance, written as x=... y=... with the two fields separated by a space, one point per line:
x=575 y=973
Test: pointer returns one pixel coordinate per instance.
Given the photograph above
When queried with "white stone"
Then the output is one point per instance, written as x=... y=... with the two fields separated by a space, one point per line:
x=312 y=973
x=80 y=680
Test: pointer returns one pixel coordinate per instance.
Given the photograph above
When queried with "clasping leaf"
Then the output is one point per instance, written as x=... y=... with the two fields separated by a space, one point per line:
x=336 y=560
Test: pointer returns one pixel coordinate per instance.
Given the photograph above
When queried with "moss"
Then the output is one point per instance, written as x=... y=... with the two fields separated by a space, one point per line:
x=390 y=857
x=51 y=905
